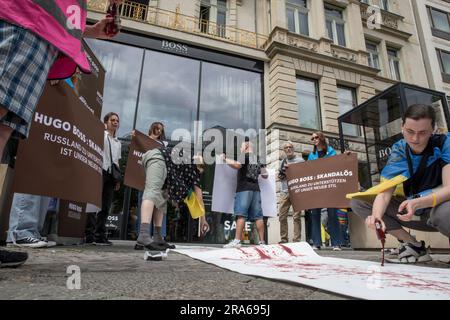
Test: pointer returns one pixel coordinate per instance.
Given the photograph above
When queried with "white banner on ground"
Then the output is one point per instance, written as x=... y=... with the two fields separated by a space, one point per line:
x=224 y=189
x=298 y=263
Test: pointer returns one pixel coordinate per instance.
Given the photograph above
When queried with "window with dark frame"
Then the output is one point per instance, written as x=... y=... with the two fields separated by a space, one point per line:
x=347 y=101
x=444 y=62
x=384 y=4
x=440 y=23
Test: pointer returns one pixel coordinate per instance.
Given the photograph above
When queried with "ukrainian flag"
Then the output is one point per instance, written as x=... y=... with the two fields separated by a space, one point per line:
x=396 y=172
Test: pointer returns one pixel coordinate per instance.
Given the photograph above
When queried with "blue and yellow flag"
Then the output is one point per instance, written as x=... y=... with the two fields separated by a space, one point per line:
x=396 y=171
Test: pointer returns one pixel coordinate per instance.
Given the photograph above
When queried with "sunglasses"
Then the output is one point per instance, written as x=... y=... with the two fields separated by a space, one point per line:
x=315 y=138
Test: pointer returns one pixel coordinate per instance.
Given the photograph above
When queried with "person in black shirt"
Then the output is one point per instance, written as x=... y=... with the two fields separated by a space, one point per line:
x=247 y=203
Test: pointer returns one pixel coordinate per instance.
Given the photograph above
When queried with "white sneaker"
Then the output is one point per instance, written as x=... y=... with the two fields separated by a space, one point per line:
x=233 y=244
x=49 y=243
x=261 y=243
x=30 y=242
x=336 y=248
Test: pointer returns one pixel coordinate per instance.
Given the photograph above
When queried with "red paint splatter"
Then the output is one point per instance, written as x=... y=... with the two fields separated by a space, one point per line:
x=262 y=255
x=289 y=250
x=244 y=252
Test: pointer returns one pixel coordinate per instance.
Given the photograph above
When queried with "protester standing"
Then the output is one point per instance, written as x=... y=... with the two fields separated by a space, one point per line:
x=247 y=201
x=36 y=44
x=285 y=201
x=323 y=150
x=112 y=150
x=165 y=180
x=157 y=133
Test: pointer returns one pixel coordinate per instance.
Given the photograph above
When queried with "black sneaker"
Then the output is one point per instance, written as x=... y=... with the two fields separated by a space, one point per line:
x=12 y=259
x=102 y=242
x=409 y=253
x=89 y=240
x=166 y=245
x=30 y=242
x=152 y=246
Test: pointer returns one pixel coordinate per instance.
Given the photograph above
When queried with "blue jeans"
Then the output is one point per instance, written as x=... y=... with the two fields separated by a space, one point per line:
x=27 y=216
x=247 y=204
x=334 y=228
x=138 y=220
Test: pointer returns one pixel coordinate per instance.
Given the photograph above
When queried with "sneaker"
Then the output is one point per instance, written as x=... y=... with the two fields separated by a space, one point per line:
x=89 y=240
x=30 y=242
x=152 y=246
x=12 y=259
x=393 y=253
x=411 y=254
x=337 y=248
x=167 y=245
x=261 y=243
x=233 y=244
x=102 y=242
x=316 y=248
x=282 y=241
x=49 y=243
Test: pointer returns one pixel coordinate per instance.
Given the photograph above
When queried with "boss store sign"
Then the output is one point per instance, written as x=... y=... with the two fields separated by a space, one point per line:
x=191 y=51
x=174 y=47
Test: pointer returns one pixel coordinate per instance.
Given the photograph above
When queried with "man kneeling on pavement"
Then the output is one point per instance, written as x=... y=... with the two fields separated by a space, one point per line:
x=420 y=164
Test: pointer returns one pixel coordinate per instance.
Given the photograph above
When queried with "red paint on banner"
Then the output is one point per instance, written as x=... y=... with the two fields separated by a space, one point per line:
x=262 y=255
x=289 y=250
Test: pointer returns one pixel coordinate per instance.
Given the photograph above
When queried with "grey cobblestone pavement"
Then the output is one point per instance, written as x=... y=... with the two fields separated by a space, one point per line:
x=119 y=272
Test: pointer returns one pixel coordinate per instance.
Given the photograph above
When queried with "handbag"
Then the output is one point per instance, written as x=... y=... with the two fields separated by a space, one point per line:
x=196 y=209
x=115 y=170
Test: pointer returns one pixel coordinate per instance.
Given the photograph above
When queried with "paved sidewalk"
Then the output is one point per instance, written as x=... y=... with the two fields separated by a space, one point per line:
x=119 y=272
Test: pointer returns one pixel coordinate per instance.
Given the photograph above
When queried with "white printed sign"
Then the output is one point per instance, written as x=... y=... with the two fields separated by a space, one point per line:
x=224 y=190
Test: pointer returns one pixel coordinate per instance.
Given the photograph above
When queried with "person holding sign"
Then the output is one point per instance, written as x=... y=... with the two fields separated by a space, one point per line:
x=39 y=40
x=247 y=202
x=323 y=150
x=285 y=202
x=165 y=179
x=415 y=188
x=36 y=45
x=156 y=133
x=112 y=151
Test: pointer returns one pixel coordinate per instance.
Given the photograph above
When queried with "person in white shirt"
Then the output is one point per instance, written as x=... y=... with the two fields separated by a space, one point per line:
x=95 y=228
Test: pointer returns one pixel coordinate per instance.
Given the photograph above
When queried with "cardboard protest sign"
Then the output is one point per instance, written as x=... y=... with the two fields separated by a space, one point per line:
x=63 y=154
x=134 y=172
x=323 y=183
x=71 y=219
x=89 y=86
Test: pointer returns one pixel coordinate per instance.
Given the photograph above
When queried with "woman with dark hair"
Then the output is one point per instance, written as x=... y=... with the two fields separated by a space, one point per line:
x=112 y=149
x=157 y=133
x=323 y=150
x=166 y=179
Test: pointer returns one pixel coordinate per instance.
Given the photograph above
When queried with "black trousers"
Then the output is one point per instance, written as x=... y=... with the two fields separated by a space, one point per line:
x=95 y=224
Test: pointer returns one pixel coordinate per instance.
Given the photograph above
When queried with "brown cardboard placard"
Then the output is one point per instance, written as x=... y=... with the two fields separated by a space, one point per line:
x=323 y=183
x=63 y=155
x=134 y=172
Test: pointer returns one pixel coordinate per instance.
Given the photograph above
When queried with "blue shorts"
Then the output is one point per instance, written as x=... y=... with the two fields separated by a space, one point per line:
x=247 y=204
